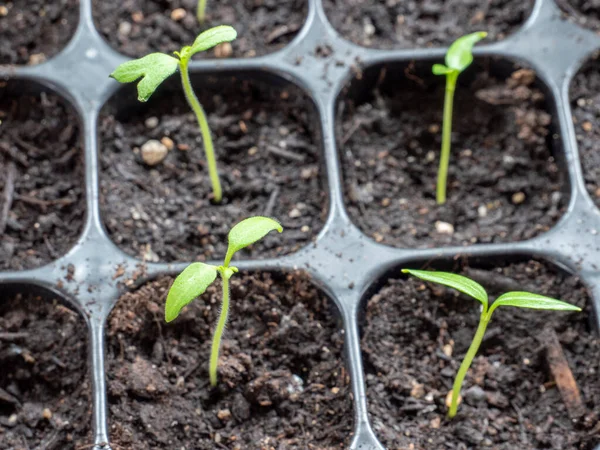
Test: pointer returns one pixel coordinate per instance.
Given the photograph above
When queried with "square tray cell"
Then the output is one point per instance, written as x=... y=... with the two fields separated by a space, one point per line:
x=503 y=185
x=139 y=27
x=45 y=399
x=32 y=31
x=282 y=381
x=424 y=23
x=41 y=176
x=510 y=399
x=268 y=154
x=585 y=102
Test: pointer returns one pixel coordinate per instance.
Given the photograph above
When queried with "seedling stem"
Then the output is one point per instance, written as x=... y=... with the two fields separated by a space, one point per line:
x=446 y=138
x=190 y=96
x=201 y=11
x=458 y=58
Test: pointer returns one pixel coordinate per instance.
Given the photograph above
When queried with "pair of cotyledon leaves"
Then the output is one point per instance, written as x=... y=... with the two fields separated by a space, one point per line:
x=197 y=277
x=157 y=67
x=475 y=290
x=459 y=56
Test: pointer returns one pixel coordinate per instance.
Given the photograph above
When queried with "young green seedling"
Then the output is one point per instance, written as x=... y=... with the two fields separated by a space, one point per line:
x=154 y=68
x=196 y=278
x=458 y=58
x=475 y=290
x=200 y=11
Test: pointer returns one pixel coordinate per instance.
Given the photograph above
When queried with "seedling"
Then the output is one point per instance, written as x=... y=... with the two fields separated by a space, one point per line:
x=196 y=278
x=475 y=290
x=155 y=68
x=458 y=58
x=200 y=11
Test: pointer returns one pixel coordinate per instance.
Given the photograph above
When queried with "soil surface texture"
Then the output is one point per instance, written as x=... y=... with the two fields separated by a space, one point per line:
x=32 y=31
x=585 y=103
x=268 y=158
x=503 y=184
x=585 y=13
x=139 y=27
x=415 y=336
x=45 y=400
x=42 y=202
x=282 y=380
x=424 y=23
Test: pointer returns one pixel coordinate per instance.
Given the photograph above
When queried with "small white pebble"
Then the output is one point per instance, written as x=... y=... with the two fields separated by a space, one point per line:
x=124 y=28
x=447 y=349
x=482 y=211
x=518 y=198
x=223 y=50
x=444 y=227
x=449 y=399
x=37 y=58
x=154 y=152
x=368 y=28
x=168 y=142
x=151 y=122
x=178 y=14
x=295 y=213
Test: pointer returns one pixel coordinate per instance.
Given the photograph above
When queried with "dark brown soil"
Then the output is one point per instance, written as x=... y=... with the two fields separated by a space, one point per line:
x=32 y=31
x=282 y=381
x=139 y=27
x=585 y=13
x=267 y=157
x=41 y=147
x=504 y=184
x=45 y=400
x=510 y=397
x=585 y=102
x=424 y=23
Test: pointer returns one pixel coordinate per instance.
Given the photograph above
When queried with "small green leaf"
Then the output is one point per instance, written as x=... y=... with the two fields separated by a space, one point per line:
x=531 y=301
x=154 y=68
x=247 y=232
x=459 y=55
x=440 y=69
x=458 y=282
x=212 y=37
x=188 y=285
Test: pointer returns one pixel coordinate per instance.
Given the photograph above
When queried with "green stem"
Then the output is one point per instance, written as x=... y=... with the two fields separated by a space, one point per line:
x=464 y=367
x=204 y=129
x=216 y=343
x=201 y=10
x=446 y=138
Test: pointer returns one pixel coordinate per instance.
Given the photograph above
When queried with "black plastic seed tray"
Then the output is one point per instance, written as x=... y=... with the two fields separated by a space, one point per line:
x=343 y=260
